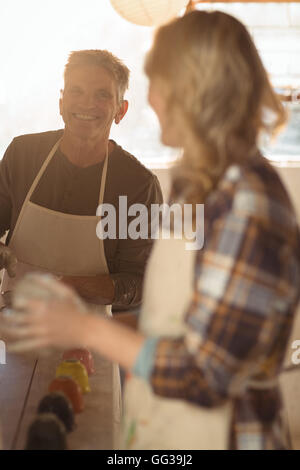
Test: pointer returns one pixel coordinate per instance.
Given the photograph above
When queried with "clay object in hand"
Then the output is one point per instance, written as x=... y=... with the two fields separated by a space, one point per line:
x=71 y=389
x=82 y=355
x=59 y=404
x=45 y=287
x=74 y=369
x=46 y=432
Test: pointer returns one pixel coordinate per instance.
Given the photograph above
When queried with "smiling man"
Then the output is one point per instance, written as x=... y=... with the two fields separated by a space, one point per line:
x=52 y=183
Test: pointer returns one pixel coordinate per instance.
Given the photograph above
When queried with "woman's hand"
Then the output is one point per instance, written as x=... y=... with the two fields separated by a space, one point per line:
x=45 y=313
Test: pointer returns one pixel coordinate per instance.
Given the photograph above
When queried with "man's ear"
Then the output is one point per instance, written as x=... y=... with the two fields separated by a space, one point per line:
x=122 y=111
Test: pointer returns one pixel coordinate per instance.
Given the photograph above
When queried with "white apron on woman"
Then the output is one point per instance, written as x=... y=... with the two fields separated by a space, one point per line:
x=45 y=240
x=151 y=421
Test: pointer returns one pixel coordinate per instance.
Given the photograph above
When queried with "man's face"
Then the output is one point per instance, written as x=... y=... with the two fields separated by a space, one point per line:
x=89 y=102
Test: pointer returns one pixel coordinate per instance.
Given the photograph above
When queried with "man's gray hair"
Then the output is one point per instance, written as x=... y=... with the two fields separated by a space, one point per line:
x=102 y=58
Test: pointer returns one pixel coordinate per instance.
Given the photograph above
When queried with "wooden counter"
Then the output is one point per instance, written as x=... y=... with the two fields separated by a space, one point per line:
x=24 y=381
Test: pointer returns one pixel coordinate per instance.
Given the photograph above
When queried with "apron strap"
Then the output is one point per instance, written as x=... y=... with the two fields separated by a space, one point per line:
x=101 y=198
x=33 y=186
x=103 y=179
x=42 y=169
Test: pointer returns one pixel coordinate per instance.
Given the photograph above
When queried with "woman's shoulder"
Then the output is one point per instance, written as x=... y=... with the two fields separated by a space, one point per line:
x=256 y=190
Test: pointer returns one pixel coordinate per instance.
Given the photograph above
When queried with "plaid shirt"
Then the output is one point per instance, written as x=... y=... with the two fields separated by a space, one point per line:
x=246 y=288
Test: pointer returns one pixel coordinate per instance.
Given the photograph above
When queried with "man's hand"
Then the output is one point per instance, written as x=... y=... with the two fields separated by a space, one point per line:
x=94 y=289
x=8 y=260
x=128 y=319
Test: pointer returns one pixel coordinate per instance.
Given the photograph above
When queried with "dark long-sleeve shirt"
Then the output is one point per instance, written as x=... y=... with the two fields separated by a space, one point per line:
x=67 y=188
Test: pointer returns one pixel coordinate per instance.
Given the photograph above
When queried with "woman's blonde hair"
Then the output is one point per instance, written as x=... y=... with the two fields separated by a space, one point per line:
x=218 y=92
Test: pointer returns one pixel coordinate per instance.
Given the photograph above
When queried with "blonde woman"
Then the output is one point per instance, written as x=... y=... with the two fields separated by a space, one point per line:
x=203 y=367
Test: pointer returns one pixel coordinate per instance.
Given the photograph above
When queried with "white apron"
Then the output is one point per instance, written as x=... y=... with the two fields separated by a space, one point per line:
x=52 y=241
x=154 y=422
x=63 y=244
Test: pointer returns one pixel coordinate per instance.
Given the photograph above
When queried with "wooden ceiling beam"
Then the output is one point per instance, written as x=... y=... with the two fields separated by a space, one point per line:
x=193 y=3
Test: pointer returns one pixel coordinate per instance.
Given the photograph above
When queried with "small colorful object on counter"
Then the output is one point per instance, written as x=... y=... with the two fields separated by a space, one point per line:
x=60 y=405
x=74 y=369
x=82 y=355
x=71 y=389
x=46 y=432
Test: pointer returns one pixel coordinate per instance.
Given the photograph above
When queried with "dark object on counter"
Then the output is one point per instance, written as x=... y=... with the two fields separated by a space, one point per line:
x=71 y=389
x=46 y=432
x=82 y=355
x=59 y=404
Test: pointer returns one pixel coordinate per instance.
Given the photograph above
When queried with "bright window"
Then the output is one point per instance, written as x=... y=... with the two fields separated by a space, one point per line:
x=36 y=37
x=35 y=40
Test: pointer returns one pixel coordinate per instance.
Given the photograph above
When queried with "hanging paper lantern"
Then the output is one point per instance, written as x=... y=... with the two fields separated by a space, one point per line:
x=148 y=12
